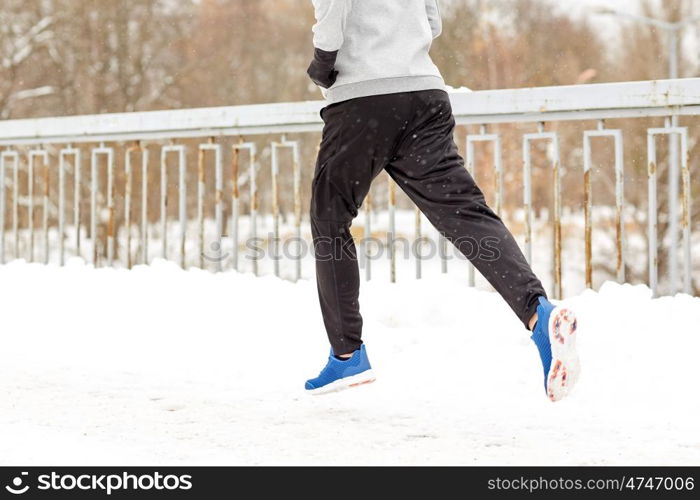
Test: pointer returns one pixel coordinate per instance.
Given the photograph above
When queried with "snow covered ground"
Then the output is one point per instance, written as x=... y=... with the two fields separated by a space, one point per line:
x=158 y=366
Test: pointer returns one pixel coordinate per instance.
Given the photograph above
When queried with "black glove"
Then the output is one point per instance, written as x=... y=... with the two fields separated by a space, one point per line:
x=322 y=69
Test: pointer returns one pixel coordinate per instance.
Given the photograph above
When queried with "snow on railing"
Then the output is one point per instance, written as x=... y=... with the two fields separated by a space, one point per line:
x=55 y=146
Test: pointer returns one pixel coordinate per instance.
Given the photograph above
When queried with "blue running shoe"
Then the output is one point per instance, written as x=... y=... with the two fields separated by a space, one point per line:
x=555 y=338
x=342 y=374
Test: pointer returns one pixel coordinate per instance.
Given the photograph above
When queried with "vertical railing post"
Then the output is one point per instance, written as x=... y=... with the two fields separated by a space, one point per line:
x=181 y=197
x=254 y=204
x=15 y=207
x=418 y=239
x=470 y=170
x=4 y=155
x=620 y=205
x=94 y=186
x=686 y=218
x=45 y=211
x=77 y=187
x=368 y=236
x=144 y=210
x=652 y=221
x=63 y=153
x=219 y=201
x=558 y=291
x=275 y=210
x=43 y=154
x=527 y=196
x=527 y=184
x=128 y=180
x=219 y=208
x=495 y=139
x=2 y=210
x=297 y=207
x=391 y=235
x=588 y=136
x=235 y=201
x=163 y=204
x=296 y=193
x=182 y=203
x=672 y=132
x=200 y=205
x=587 y=208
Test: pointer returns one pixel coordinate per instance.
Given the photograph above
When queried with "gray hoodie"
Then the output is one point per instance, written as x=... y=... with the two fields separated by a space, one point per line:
x=371 y=47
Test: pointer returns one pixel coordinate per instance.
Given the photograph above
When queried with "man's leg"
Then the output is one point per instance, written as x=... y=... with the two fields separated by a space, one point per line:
x=357 y=142
x=430 y=170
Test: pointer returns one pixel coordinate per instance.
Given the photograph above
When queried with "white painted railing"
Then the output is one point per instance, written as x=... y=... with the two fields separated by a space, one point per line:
x=45 y=152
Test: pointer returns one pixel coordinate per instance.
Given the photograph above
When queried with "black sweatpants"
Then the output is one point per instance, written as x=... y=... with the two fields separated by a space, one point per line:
x=410 y=135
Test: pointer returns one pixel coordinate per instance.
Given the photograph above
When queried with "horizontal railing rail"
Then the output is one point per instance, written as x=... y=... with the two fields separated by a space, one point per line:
x=544 y=104
x=44 y=156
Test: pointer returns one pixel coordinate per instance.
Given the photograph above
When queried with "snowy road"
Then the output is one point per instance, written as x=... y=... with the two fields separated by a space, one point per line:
x=163 y=367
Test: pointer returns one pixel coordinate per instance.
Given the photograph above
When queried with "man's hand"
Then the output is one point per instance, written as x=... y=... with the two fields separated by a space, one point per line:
x=321 y=70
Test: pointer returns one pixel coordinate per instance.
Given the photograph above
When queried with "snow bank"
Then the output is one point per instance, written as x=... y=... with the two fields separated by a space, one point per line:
x=158 y=366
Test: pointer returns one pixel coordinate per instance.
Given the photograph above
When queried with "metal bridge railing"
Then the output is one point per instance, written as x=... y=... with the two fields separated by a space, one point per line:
x=46 y=152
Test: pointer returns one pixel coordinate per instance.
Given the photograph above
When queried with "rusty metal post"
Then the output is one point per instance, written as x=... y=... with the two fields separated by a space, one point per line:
x=94 y=186
x=418 y=238
x=470 y=170
x=219 y=201
x=182 y=202
x=128 y=180
x=163 y=204
x=2 y=209
x=45 y=212
x=200 y=205
x=553 y=137
x=392 y=229
x=296 y=179
x=111 y=222
x=588 y=136
x=558 y=286
x=275 y=210
x=144 y=210
x=499 y=174
x=495 y=139
x=587 y=208
x=296 y=190
x=235 y=200
x=442 y=244
x=15 y=208
x=652 y=221
x=652 y=216
x=297 y=207
x=368 y=236
x=620 y=205
x=69 y=151
x=30 y=205
x=93 y=206
x=527 y=196
x=4 y=155
x=686 y=206
x=253 y=204
x=128 y=186
x=181 y=197
x=36 y=153
x=77 y=170
x=219 y=209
